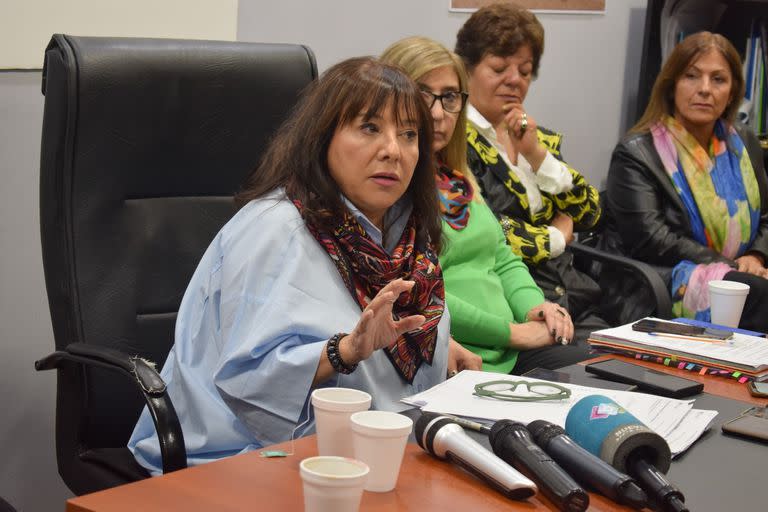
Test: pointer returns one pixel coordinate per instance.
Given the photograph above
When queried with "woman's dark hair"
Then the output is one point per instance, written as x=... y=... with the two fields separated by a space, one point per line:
x=662 y=101
x=500 y=29
x=297 y=156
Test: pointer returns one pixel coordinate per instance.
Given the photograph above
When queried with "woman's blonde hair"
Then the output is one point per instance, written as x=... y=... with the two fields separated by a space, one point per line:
x=419 y=55
x=662 y=100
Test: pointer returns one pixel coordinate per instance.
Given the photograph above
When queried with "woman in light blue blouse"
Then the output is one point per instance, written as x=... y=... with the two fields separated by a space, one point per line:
x=327 y=276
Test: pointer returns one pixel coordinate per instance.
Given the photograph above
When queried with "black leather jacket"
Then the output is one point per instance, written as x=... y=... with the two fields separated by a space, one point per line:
x=646 y=218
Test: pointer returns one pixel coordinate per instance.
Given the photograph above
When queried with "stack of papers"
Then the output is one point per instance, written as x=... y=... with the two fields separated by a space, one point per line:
x=742 y=353
x=675 y=420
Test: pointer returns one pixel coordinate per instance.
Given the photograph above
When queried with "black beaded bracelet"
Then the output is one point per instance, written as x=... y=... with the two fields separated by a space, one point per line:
x=334 y=356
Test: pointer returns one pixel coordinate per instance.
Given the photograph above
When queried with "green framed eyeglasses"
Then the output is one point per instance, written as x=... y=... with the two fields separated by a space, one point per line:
x=536 y=390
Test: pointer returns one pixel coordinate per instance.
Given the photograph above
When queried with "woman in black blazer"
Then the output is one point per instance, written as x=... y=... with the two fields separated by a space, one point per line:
x=687 y=189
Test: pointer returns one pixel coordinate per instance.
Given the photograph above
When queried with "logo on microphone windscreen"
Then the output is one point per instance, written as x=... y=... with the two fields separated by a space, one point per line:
x=602 y=411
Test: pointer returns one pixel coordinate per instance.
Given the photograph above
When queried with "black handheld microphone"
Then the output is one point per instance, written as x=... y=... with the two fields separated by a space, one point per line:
x=512 y=442
x=444 y=439
x=607 y=430
x=585 y=467
x=667 y=496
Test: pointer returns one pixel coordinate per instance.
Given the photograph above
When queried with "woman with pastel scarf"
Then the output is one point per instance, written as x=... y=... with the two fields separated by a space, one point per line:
x=687 y=190
x=497 y=310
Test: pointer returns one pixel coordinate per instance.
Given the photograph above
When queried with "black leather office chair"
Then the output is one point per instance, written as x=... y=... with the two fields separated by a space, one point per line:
x=5 y=506
x=144 y=142
x=623 y=276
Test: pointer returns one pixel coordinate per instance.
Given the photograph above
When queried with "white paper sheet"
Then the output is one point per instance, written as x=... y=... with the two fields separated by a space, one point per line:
x=670 y=418
x=689 y=430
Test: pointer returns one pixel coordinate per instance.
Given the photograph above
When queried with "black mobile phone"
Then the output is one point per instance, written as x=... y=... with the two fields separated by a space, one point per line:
x=578 y=378
x=752 y=423
x=550 y=375
x=759 y=389
x=646 y=380
x=674 y=328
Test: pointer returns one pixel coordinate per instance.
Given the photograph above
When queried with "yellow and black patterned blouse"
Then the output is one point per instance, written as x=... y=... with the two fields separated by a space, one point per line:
x=528 y=233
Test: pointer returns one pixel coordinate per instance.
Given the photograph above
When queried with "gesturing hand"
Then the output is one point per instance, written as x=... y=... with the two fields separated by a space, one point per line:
x=376 y=328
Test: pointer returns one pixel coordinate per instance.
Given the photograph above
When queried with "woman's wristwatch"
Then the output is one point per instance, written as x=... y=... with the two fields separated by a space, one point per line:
x=334 y=355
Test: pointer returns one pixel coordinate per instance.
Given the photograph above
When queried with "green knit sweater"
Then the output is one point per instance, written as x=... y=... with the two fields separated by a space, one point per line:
x=487 y=287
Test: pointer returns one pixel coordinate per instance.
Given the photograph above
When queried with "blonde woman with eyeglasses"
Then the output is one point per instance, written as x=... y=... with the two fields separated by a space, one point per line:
x=497 y=310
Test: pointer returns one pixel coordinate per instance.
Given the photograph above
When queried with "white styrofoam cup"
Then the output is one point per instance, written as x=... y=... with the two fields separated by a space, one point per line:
x=333 y=407
x=332 y=484
x=726 y=301
x=379 y=439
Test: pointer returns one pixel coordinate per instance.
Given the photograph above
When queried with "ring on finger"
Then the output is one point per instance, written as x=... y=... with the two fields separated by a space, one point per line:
x=523 y=122
x=564 y=341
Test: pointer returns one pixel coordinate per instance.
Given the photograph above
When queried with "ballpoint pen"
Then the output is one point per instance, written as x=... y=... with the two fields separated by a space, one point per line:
x=691 y=338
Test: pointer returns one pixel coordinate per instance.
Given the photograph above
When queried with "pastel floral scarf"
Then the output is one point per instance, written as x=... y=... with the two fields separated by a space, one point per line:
x=455 y=193
x=720 y=193
x=366 y=268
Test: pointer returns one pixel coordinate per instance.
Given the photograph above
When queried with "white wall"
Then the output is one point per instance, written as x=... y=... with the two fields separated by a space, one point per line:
x=587 y=80
x=28 y=476
x=26 y=25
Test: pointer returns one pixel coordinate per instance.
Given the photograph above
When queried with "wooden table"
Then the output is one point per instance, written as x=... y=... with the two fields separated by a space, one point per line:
x=250 y=482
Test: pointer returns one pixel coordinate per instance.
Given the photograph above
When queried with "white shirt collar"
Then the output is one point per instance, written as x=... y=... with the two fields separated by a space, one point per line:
x=476 y=118
x=395 y=219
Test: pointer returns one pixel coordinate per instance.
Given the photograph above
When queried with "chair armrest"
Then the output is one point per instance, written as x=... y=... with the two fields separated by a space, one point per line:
x=149 y=382
x=651 y=278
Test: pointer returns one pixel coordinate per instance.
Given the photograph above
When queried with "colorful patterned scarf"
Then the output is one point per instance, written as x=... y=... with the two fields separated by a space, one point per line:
x=455 y=193
x=366 y=268
x=719 y=191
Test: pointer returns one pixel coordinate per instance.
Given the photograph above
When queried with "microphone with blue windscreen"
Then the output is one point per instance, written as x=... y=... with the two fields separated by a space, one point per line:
x=607 y=430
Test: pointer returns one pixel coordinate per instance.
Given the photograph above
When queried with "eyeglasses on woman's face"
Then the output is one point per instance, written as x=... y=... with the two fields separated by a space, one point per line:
x=452 y=101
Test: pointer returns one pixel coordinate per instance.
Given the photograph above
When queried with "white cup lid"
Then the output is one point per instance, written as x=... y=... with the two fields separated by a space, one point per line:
x=333 y=471
x=340 y=399
x=728 y=287
x=381 y=423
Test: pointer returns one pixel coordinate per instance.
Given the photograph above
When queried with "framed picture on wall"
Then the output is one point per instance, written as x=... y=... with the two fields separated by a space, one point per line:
x=550 y=6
